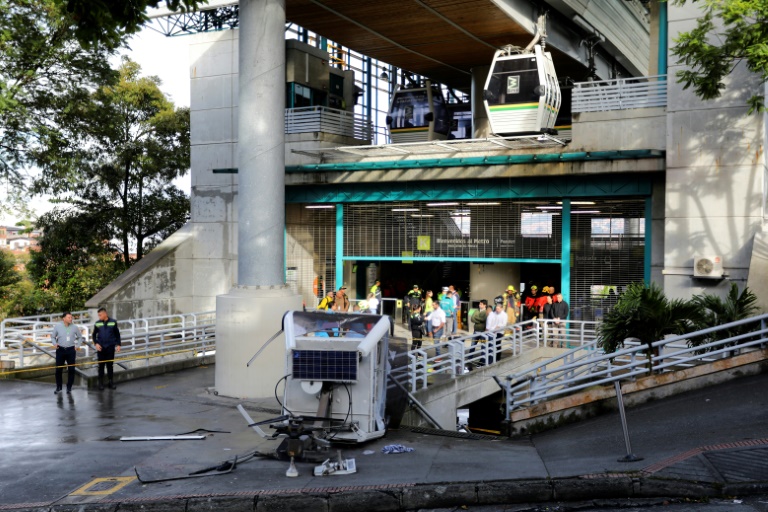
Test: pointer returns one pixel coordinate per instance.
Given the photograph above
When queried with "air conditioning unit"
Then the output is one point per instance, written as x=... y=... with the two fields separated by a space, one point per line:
x=710 y=267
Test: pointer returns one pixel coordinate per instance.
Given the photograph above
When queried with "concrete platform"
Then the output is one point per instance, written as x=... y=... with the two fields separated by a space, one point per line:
x=62 y=452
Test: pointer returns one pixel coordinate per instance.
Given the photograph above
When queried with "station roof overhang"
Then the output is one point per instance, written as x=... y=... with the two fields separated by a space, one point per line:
x=439 y=39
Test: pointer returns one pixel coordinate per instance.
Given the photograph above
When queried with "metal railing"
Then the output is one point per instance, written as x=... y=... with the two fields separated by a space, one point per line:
x=27 y=341
x=327 y=120
x=588 y=365
x=620 y=94
x=451 y=357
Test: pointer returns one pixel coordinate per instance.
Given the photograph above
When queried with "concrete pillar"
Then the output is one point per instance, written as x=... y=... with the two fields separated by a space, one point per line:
x=252 y=311
x=481 y=126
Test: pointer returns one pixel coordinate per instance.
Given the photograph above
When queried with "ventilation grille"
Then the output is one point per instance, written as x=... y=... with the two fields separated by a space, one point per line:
x=310 y=251
x=607 y=254
x=444 y=229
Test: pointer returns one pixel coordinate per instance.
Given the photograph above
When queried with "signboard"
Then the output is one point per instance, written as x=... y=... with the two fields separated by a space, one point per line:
x=513 y=84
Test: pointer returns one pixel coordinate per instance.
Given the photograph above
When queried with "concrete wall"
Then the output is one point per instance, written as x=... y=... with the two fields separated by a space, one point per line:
x=489 y=281
x=715 y=175
x=640 y=128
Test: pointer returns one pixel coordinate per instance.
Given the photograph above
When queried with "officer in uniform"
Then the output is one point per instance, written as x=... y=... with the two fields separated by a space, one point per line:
x=106 y=336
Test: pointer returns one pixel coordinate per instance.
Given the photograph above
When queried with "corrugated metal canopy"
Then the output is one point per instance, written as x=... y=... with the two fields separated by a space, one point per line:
x=439 y=39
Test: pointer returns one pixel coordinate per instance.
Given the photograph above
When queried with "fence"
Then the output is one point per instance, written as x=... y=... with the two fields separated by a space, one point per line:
x=453 y=356
x=620 y=94
x=327 y=120
x=587 y=365
x=27 y=341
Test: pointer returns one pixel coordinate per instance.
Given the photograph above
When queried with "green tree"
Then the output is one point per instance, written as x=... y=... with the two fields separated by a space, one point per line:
x=74 y=261
x=129 y=143
x=711 y=50
x=107 y=22
x=43 y=69
x=8 y=274
x=718 y=311
x=645 y=313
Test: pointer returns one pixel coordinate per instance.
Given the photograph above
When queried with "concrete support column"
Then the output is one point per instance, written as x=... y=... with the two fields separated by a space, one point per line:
x=252 y=312
x=481 y=126
x=261 y=143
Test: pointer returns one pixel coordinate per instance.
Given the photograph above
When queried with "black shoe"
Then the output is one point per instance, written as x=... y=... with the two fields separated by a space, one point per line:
x=69 y=391
x=57 y=391
x=111 y=386
x=101 y=386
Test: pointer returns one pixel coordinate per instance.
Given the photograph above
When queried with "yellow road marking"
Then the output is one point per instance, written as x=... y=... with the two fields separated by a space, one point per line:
x=105 y=486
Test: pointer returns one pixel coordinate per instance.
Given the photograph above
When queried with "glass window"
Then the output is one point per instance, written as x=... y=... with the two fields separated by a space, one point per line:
x=536 y=225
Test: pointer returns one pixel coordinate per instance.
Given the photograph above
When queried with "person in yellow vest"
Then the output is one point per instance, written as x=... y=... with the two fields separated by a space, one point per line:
x=511 y=303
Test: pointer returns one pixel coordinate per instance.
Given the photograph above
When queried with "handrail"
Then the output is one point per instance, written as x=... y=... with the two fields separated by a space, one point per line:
x=134 y=333
x=328 y=120
x=588 y=365
x=620 y=94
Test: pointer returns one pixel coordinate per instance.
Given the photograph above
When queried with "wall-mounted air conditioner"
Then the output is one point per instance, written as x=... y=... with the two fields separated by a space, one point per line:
x=710 y=267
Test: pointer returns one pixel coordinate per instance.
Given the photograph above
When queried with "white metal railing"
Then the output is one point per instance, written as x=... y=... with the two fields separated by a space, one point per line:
x=27 y=341
x=620 y=94
x=327 y=120
x=587 y=365
x=451 y=357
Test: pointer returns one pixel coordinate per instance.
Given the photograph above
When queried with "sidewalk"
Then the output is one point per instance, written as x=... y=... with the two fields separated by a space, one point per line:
x=55 y=448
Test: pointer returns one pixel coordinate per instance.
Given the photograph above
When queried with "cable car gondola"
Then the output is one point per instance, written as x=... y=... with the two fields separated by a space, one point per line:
x=521 y=93
x=418 y=114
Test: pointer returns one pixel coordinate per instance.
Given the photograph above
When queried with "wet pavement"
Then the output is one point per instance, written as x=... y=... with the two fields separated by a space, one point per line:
x=65 y=449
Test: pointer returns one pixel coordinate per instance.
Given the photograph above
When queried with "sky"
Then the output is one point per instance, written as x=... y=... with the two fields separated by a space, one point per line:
x=165 y=57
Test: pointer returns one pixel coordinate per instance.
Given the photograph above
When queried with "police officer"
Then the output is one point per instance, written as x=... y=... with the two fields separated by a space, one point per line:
x=106 y=336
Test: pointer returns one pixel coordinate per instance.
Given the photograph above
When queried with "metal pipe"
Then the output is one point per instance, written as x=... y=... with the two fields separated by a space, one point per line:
x=415 y=402
x=629 y=457
x=261 y=143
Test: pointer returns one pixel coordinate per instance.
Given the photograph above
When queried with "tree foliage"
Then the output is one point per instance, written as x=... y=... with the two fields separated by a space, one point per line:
x=717 y=311
x=43 y=69
x=108 y=22
x=74 y=261
x=644 y=312
x=711 y=50
x=126 y=143
x=8 y=274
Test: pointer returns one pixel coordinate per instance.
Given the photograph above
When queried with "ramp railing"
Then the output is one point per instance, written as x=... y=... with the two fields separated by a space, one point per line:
x=451 y=358
x=27 y=341
x=588 y=365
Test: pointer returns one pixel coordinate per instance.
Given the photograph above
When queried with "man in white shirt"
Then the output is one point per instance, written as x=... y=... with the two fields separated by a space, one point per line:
x=496 y=323
x=437 y=323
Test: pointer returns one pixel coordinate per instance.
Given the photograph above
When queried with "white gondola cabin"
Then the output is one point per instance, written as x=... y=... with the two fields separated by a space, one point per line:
x=521 y=93
x=418 y=114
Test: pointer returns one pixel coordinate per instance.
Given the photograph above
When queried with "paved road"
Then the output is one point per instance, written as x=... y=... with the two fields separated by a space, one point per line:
x=715 y=435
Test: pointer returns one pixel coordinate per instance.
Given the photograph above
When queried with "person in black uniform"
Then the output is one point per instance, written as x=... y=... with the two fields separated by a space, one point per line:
x=417 y=327
x=106 y=337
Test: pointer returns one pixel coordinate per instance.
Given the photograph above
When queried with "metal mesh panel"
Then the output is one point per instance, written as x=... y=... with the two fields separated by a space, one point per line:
x=607 y=253
x=468 y=229
x=311 y=251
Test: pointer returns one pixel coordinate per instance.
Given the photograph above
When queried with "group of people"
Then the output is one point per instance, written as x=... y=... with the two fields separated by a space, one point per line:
x=339 y=302
x=432 y=318
x=67 y=340
x=438 y=319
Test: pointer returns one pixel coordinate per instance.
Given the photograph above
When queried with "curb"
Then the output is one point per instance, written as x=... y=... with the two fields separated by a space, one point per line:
x=409 y=497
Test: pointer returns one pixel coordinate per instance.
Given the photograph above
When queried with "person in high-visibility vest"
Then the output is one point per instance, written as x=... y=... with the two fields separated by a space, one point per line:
x=376 y=291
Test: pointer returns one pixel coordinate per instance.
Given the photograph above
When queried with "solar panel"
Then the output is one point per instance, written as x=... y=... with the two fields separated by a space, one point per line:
x=325 y=365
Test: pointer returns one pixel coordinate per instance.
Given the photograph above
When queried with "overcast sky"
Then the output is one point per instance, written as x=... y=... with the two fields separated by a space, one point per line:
x=165 y=57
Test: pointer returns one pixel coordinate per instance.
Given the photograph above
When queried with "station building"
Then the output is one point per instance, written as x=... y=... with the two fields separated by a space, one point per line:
x=645 y=183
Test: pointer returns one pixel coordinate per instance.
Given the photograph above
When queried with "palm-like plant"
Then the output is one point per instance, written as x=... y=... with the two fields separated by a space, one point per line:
x=645 y=313
x=718 y=311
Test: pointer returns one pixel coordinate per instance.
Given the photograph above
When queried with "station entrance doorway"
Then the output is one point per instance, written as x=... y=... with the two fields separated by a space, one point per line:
x=398 y=278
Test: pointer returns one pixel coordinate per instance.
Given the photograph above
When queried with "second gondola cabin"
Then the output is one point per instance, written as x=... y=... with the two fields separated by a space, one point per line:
x=521 y=93
x=418 y=114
